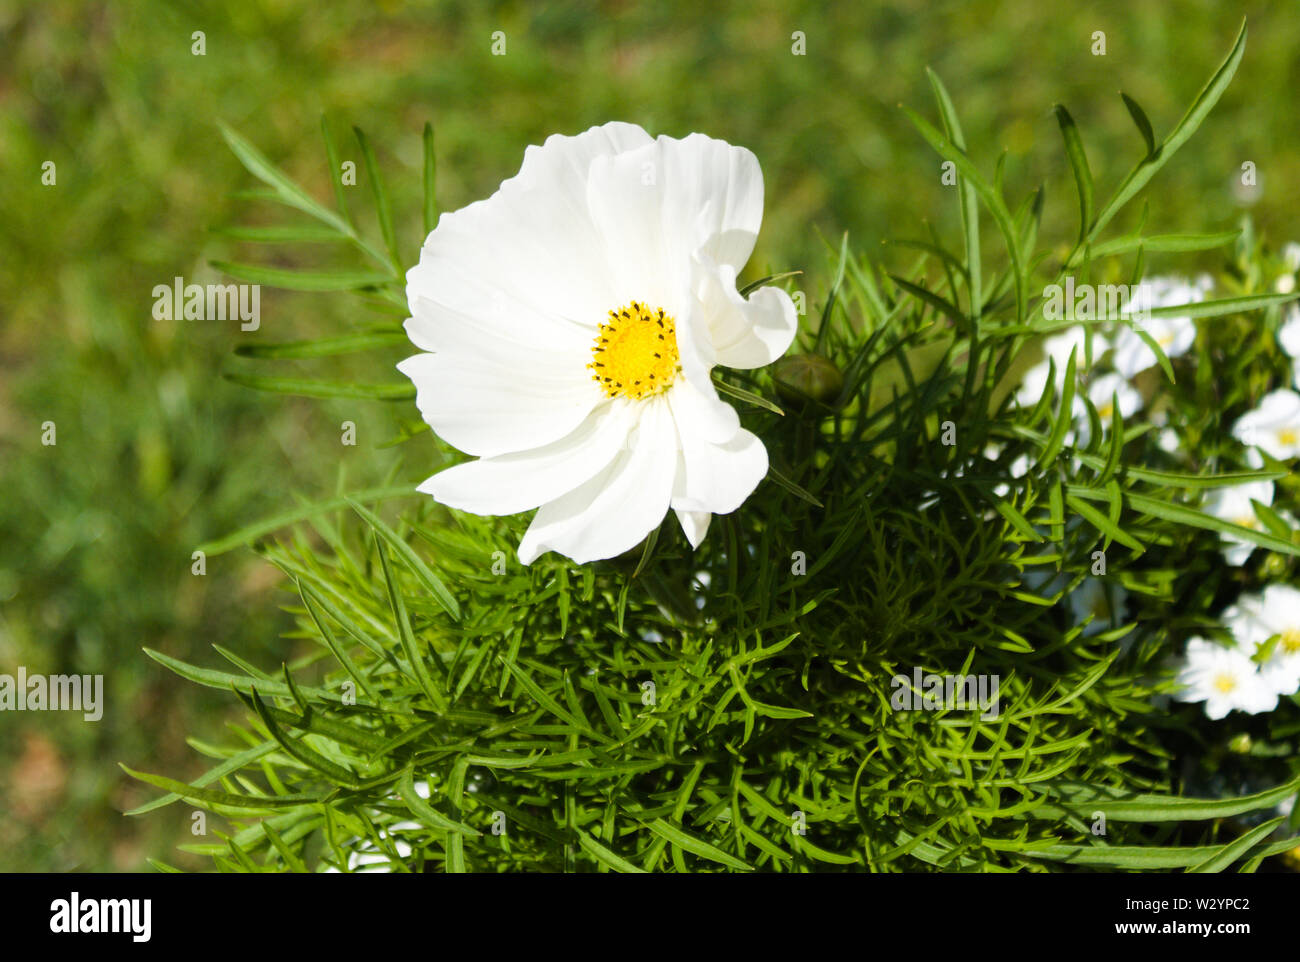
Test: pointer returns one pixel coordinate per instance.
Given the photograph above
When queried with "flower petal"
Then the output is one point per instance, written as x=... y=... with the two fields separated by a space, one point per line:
x=510 y=483
x=531 y=245
x=705 y=413
x=486 y=410
x=713 y=198
x=695 y=525
x=745 y=333
x=615 y=510
x=717 y=477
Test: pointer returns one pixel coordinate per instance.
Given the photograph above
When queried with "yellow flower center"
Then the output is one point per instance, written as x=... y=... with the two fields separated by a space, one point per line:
x=635 y=354
x=1106 y=412
x=1290 y=641
x=1225 y=682
x=1247 y=521
x=1287 y=436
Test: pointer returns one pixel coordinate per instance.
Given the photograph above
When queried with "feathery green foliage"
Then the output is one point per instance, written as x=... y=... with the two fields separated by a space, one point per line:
x=731 y=708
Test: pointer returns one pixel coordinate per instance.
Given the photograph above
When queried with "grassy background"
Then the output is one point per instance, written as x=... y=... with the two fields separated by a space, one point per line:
x=157 y=453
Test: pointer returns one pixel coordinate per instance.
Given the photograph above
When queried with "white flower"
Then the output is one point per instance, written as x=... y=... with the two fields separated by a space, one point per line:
x=1288 y=338
x=1175 y=335
x=1257 y=618
x=572 y=320
x=1291 y=256
x=1234 y=504
x=1105 y=604
x=1274 y=426
x=1224 y=678
x=1288 y=335
x=1103 y=392
x=1057 y=348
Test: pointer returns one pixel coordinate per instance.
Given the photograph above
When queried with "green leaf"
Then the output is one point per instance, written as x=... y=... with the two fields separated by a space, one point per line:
x=749 y=397
x=1236 y=849
x=991 y=198
x=944 y=307
x=1165 y=243
x=285 y=189
x=769 y=279
x=410 y=646
x=675 y=836
x=1143 y=124
x=205 y=797
x=1064 y=416
x=970 y=212
x=292 y=280
x=264 y=527
x=382 y=208
x=336 y=171
x=1172 y=808
x=425 y=812
x=792 y=487
x=308 y=387
x=1226 y=305
x=1079 y=166
x=1195 y=116
x=324 y=346
x=422 y=571
x=604 y=856
x=430 y=182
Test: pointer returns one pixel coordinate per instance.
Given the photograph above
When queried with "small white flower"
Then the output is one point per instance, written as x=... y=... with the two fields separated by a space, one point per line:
x=1234 y=504
x=1105 y=604
x=1175 y=335
x=1274 y=426
x=1224 y=678
x=1057 y=348
x=1288 y=338
x=1288 y=335
x=1103 y=392
x=1257 y=618
x=1291 y=256
x=572 y=320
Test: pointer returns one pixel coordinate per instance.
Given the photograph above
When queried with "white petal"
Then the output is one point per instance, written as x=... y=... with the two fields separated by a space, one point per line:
x=532 y=244
x=713 y=197
x=745 y=333
x=487 y=410
x=522 y=343
x=1288 y=335
x=625 y=195
x=717 y=477
x=708 y=415
x=510 y=483
x=695 y=525
x=618 y=507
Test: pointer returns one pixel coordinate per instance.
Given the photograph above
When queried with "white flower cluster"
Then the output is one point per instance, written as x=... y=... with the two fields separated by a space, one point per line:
x=1263 y=664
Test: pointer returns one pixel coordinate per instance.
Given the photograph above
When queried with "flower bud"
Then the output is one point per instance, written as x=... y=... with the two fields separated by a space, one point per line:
x=802 y=376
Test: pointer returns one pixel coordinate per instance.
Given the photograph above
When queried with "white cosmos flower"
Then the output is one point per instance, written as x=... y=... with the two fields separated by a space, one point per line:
x=1175 y=335
x=1057 y=348
x=1234 y=504
x=1257 y=618
x=572 y=320
x=1224 y=678
x=1274 y=426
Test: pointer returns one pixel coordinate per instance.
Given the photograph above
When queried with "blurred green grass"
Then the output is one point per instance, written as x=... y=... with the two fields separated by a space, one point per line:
x=156 y=453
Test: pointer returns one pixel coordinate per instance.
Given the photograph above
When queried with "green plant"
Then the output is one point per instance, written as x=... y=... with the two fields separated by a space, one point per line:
x=733 y=707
